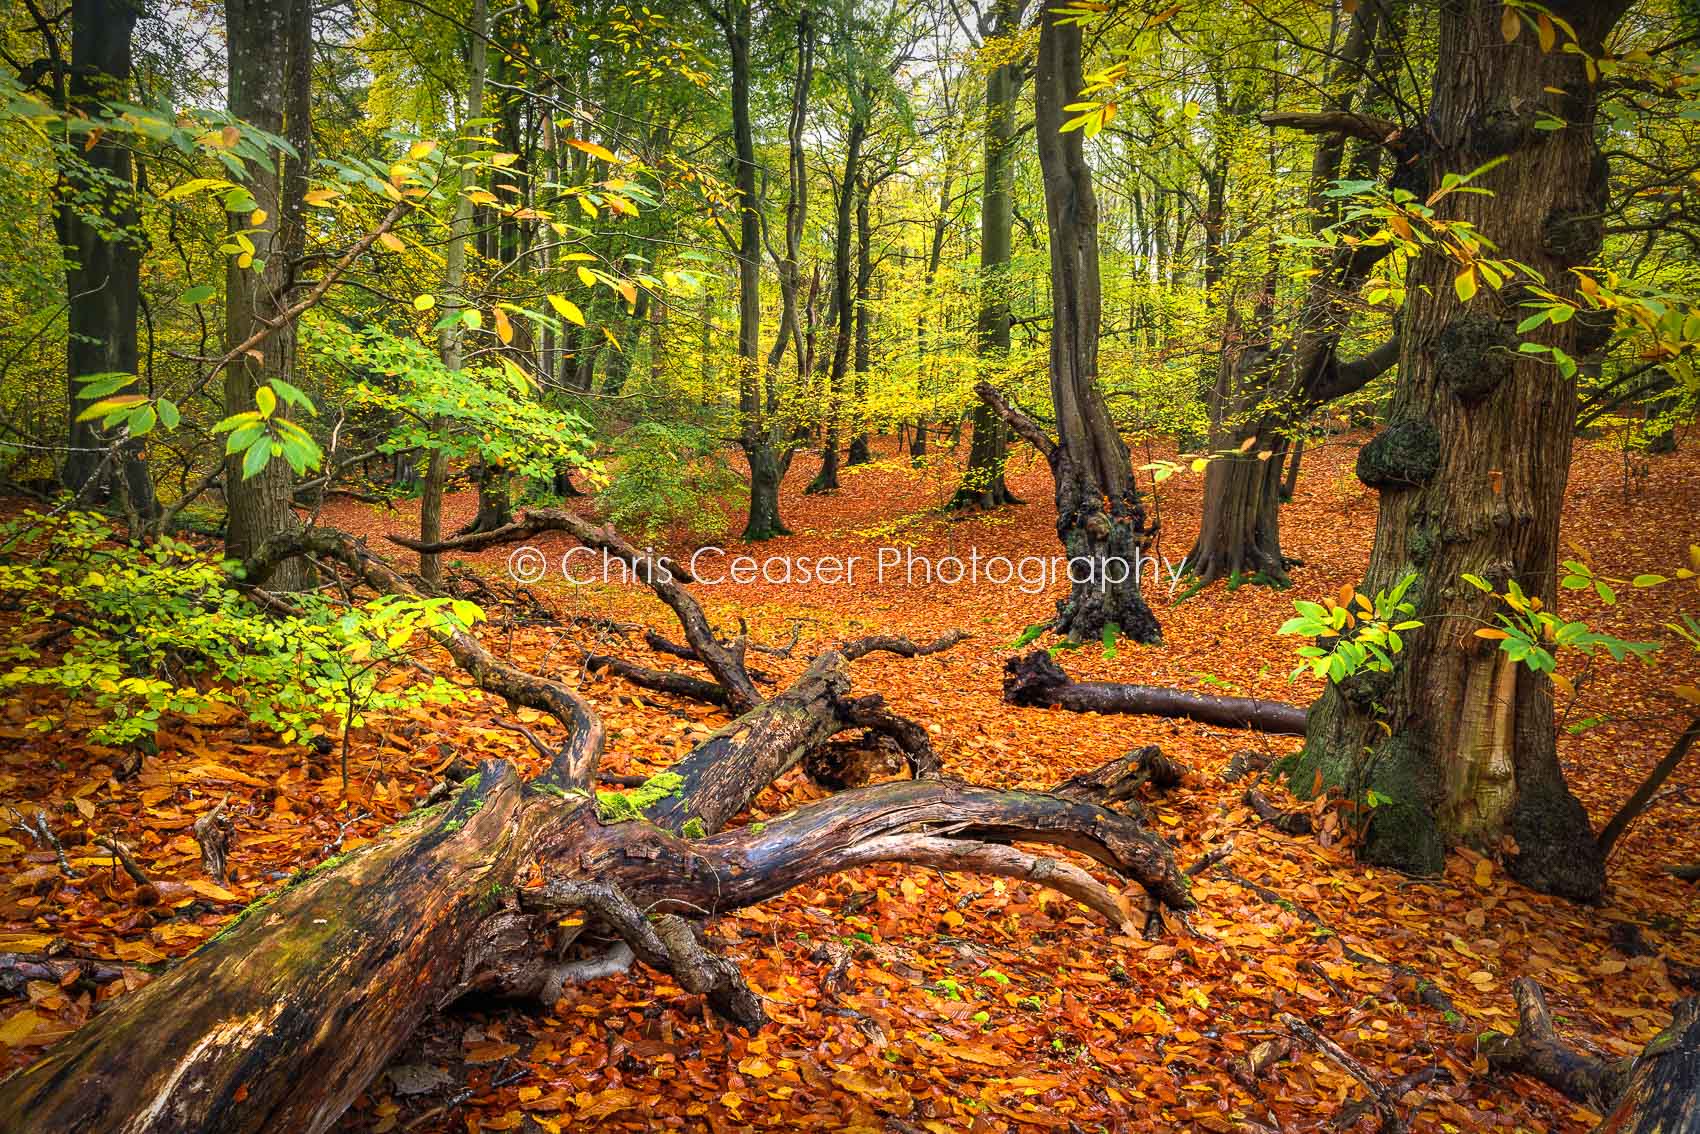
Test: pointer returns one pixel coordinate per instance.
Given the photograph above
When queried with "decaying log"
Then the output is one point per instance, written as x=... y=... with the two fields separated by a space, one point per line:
x=283 y=1018
x=1121 y=779
x=1037 y=680
x=1663 y=1094
x=1657 y=1092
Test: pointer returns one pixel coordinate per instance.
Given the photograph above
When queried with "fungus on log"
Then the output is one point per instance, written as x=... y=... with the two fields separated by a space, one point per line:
x=1037 y=680
x=283 y=1018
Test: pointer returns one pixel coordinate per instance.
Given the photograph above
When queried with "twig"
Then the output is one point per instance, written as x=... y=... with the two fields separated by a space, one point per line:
x=1384 y=1102
x=43 y=836
x=121 y=856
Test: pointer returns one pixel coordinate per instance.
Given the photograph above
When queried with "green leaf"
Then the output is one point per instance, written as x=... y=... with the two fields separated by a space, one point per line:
x=256 y=457
x=200 y=293
x=168 y=413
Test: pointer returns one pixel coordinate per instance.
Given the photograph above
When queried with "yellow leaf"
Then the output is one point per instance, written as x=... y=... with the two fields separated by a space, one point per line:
x=586 y=276
x=592 y=149
x=1465 y=284
x=257 y=217
x=1491 y=633
x=1564 y=684
x=424 y=302
x=1689 y=693
x=1484 y=873
x=566 y=309
x=504 y=329
x=1510 y=23
x=211 y=890
x=1543 y=25
x=1199 y=464
x=19 y=1028
x=391 y=241
x=421 y=148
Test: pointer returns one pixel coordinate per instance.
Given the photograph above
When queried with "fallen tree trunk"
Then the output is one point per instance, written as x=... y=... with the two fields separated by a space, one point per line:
x=1657 y=1092
x=1036 y=680
x=282 y=1019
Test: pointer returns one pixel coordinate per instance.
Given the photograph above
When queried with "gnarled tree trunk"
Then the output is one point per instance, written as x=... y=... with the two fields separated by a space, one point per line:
x=1458 y=737
x=1100 y=514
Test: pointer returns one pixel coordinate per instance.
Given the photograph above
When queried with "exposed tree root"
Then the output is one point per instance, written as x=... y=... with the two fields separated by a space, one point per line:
x=1287 y=822
x=1657 y=1092
x=1037 y=680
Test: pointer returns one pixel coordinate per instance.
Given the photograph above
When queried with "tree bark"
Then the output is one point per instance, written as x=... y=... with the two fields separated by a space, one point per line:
x=1471 y=472
x=97 y=226
x=1100 y=514
x=269 y=54
x=983 y=483
x=1658 y=1092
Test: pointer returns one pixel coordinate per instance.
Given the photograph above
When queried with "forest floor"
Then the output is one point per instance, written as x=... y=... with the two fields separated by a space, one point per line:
x=967 y=1003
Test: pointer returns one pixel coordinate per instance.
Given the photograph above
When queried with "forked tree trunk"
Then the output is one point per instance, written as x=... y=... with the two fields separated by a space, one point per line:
x=1100 y=515
x=1458 y=738
x=850 y=192
x=860 y=453
x=1265 y=393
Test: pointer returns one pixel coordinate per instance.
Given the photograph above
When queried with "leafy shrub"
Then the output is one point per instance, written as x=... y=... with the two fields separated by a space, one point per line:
x=145 y=630
x=668 y=478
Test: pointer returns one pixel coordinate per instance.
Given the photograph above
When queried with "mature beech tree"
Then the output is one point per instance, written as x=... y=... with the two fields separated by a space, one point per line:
x=96 y=220
x=1471 y=468
x=983 y=482
x=1100 y=514
x=269 y=65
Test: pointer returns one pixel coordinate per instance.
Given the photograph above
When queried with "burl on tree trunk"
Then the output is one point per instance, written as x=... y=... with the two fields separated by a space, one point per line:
x=280 y=1021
